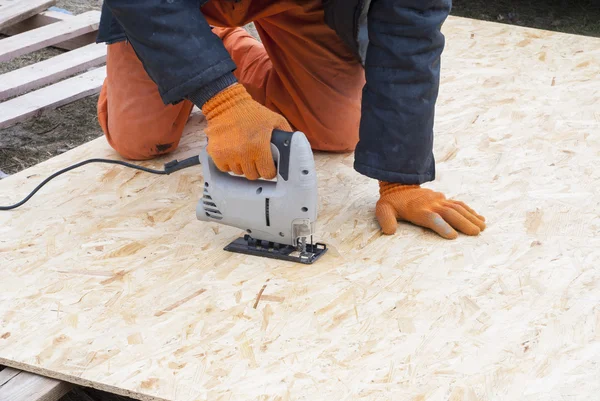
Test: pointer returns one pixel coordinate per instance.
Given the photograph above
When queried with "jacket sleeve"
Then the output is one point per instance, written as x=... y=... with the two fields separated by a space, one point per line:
x=176 y=46
x=402 y=70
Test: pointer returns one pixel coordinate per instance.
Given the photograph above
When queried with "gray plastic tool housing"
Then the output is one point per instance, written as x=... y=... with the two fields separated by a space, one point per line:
x=278 y=211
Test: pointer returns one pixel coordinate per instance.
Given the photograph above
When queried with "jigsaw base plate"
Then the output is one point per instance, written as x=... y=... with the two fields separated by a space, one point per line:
x=250 y=246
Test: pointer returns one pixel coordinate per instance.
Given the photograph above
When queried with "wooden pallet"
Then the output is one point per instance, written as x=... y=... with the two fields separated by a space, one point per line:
x=16 y=385
x=48 y=84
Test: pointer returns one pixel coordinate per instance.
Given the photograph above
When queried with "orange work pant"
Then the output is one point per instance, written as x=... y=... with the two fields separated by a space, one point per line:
x=301 y=70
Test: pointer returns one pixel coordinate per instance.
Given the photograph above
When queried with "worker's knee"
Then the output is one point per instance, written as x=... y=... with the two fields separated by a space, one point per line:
x=144 y=135
x=333 y=127
x=143 y=141
x=136 y=122
x=328 y=110
x=342 y=138
x=133 y=146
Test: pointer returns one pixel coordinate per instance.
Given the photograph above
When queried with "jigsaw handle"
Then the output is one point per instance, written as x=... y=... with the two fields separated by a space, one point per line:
x=280 y=147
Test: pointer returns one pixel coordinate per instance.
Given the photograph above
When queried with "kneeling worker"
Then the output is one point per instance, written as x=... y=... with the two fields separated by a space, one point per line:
x=350 y=74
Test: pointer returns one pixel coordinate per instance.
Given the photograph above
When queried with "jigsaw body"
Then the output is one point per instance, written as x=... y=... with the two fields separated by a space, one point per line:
x=278 y=216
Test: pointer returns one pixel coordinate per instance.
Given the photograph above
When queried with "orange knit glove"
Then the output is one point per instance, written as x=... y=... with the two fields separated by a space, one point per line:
x=425 y=208
x=239 y=133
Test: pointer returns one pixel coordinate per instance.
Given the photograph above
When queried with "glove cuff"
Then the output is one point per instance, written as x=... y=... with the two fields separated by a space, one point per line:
x=388 y=187
x=225 y=100
x=207 y=92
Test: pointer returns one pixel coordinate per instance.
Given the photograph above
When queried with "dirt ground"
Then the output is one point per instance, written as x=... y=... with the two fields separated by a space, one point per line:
x=580 y=17
x=57 y=131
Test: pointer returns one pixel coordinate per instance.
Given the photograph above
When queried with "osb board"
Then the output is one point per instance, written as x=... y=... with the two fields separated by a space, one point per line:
x=109 y=281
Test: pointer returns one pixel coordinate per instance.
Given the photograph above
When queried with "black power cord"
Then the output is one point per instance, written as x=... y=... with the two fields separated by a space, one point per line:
x=170 y=167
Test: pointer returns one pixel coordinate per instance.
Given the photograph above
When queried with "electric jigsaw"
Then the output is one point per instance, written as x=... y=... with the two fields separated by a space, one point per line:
x=278 y=215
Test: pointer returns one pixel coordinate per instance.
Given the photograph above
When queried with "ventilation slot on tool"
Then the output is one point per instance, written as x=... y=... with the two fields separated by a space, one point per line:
x=267 y=212
x=210 y=207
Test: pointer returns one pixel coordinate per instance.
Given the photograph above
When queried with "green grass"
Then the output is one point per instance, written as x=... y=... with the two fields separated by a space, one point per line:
x=571 y=16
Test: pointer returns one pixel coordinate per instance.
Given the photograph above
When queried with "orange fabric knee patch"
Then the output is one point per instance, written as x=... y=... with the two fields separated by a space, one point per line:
x=133 y=117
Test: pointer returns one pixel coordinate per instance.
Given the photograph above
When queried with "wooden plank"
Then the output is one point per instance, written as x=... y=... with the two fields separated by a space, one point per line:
x=51 y=97
x=14 y=12
x=48 y=35
x=36 y=21
x=49 y=17
x=51 y=70
x=7 y=374
x=23 y=386
x=92 y=262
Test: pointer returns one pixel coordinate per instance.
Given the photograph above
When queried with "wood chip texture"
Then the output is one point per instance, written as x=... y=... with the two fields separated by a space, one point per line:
x=108 y=280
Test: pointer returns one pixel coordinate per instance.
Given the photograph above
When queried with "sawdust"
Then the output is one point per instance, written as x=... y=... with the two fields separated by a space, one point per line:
x=24 y=145
x=79 y=6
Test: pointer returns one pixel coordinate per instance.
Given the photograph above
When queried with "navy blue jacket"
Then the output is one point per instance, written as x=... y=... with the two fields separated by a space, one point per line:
x=398 y=41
